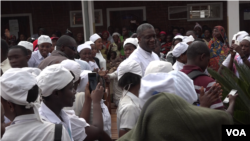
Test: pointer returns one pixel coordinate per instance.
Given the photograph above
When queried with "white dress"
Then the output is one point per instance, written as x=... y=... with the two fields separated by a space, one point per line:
x=102 y=61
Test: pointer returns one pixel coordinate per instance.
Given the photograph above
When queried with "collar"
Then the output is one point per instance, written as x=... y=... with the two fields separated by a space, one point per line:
x=134 y=98
x=58 y=53
x=180 y=63
x=51 y=116
x=192 y=67
x=6 y=61
x=144 y=53
x=24 y=117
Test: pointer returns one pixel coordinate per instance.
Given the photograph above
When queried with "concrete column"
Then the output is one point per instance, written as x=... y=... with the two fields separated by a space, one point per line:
x=88 y=18
x=233 y=15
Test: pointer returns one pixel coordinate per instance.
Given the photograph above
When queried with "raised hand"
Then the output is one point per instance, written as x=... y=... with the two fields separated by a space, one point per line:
x=102 y=73
x=211 y=96
x=97 y=94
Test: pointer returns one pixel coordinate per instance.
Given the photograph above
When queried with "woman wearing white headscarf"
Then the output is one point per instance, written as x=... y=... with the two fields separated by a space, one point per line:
x=129 y=108
x=98 y=43
x=179 y=53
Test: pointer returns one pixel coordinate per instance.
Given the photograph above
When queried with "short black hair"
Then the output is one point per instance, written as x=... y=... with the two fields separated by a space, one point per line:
x=129 y=78
x=33 y=94
x=142 y=28
x=23 y=49
x=4 y=47
x=64 y=40
x=197 y=48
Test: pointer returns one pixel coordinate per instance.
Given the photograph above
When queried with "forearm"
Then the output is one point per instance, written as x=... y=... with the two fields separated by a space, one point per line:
x=230 y=66
x=230 y=108
x=123 y=132
x=97 y=115
x=104 y=137
x=85 y=113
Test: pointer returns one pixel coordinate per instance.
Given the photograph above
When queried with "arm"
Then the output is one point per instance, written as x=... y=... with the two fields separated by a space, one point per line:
x=230 y=108
x=95 y=131
x=123 y=132
x=230 y=66
x=85 y=113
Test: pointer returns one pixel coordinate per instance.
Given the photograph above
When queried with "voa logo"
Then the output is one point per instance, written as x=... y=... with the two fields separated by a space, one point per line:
x=236 y=132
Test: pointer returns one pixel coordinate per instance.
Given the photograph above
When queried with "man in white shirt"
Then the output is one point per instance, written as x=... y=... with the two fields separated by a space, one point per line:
x=61 y=93
x=5 y=64
x=144 y=53
x=19 y=92
x=179 y=53
x=44 y=46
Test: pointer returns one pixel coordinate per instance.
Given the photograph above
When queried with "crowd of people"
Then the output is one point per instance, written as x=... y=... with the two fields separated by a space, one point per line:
x=158 y=79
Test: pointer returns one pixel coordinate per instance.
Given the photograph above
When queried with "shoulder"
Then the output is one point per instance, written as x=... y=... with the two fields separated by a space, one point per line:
x=204 y=81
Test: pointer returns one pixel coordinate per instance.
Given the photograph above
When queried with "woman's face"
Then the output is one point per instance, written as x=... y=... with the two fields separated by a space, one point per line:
x=175 y=31
x=98 y=44
x=245 y=47
x=207 y=34
x=216 y=33
x=116 y=38
x=128 y=49
x=86 y=54
x=105 y=35
x=93 y=50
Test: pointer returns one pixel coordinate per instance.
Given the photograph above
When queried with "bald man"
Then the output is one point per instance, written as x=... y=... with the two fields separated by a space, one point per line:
x=65 y=49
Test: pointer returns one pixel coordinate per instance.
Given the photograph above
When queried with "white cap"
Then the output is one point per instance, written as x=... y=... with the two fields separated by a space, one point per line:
x=234 y=37
x=133 y=41
x=175 y=82
x=188 y=39
x=15 y=85
x=94 y=37
x=116 y=33
x=44 y=39
x=83 y=46
x=178 y=36
x=129 y=66
x=26 y=44
x=89 y=43
x=54 y=77
x=246 y=38
x=179 y=49
x=242 y=34
x=72 y=66
x=84 y=80
x=158 y=66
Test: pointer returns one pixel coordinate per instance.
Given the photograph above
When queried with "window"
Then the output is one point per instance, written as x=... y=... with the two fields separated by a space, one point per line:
x=177 y=12
x=205 y=12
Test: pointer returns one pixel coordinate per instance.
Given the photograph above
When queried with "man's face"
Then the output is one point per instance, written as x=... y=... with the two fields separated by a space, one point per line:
x=67 y=96
x=147 y=40
x=44 y=49
x=70 y=50
x=17 y=58
x=79 y=37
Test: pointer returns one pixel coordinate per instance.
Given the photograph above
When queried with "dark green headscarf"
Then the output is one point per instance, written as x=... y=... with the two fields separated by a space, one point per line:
x=167 y=117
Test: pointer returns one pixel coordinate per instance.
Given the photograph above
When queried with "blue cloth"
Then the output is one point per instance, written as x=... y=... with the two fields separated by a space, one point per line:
x=36 y=59
x=84 y=65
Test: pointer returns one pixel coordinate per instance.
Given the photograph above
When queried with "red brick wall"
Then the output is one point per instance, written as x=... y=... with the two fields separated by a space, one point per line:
x=54 y=15
x=157 y=13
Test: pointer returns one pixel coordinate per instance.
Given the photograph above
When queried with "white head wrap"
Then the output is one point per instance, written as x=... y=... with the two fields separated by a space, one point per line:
x=44 y=39
x=187 y=39
x=89 y=43
x=15 y=85
x=241 y=34
x=54 y=77
x=234 y=37
x=129 y=66
x=178 y=36
x=179 y=49
x=26 y=44
x=246 y=38
x=197 y=25
x=94 y=37
x=84 y=80
x=83 y=46
x=72 y=66
x=175 y=82
x=158 y=66
x=133 y=41
x=116 y=33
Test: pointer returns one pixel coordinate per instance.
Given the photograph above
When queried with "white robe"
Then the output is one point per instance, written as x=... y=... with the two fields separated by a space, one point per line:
x=102 y=61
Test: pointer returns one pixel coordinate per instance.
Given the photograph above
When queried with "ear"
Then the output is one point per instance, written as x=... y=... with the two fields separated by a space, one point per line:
x=11 y=106
x=28 y=57
x=62 y=48
x=202 y=57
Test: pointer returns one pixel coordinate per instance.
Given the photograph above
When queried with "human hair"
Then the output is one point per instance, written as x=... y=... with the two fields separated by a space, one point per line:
x=32 y=94
x=4 y=47
x=197 y=48
x=142 y=28
x=23 y=49
x=63 y=41
x=129 y=78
